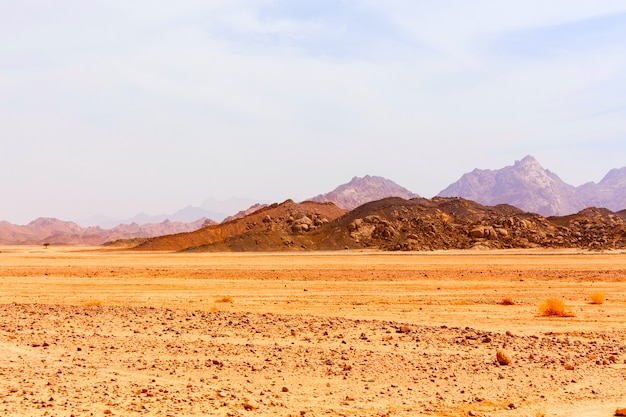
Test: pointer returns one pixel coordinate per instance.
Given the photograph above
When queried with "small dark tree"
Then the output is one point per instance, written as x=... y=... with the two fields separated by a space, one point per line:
x=45 y=245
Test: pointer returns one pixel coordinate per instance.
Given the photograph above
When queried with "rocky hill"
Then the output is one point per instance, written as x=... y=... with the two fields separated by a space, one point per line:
x=456 y=223
x=55 y=231
x=397 y=224
x=527 y=185
x=361 y=190
x=284 y=226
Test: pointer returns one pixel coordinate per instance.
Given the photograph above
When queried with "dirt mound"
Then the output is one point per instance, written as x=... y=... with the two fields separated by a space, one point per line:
x=398 y=224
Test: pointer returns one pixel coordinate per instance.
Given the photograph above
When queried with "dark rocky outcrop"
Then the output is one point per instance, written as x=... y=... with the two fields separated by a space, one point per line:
x=397 y=224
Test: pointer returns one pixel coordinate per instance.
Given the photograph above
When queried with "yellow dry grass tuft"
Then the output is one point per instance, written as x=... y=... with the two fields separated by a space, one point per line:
x=554 y=307
x=93 y=303
x=598 y=297
x=226 y=299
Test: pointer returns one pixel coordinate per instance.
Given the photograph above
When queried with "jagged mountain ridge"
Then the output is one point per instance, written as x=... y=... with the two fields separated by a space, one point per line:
x=610 y=192
x=527 y=185
x=361 y=190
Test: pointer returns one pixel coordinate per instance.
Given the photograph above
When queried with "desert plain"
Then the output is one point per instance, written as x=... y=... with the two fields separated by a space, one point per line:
x=88 y=331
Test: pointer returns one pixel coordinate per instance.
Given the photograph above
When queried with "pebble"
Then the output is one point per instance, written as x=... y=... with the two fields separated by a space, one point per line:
x=438 y=358
x=502 y=357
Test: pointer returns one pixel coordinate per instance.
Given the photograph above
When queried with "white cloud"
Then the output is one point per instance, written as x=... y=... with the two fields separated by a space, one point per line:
x=273 y=98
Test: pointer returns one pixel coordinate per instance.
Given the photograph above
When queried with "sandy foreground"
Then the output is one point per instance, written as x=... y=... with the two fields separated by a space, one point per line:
x=87 y=331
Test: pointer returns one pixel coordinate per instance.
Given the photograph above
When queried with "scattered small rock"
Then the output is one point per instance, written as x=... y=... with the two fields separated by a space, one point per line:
x=249 y=406
x=404 y=329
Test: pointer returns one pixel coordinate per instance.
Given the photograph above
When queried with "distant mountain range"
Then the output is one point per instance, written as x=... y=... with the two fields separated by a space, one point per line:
x=525 y=185
x=530 y=187
x=213 y=209
x=54 y=231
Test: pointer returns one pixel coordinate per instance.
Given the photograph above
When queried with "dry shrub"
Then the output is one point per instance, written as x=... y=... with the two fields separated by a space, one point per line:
x=554 y=307
x=507 y=301
x=598 y=297
x=93 y=303
x=226 y=299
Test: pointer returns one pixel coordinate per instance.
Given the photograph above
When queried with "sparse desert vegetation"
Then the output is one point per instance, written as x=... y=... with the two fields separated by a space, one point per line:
x=158 y=345
x=598 y=297
x=554 y=307
x=225 y=299
x=92 y=303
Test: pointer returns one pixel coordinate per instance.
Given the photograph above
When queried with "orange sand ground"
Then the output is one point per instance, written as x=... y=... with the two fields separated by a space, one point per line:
x=89 y=331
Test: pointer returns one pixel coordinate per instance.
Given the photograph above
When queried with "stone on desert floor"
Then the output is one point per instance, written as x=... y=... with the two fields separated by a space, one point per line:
x=503 y=358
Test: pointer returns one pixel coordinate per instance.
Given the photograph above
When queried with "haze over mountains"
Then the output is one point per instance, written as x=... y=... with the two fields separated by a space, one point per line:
x=211 y=208
x=530 y=187
x=525 y=185
x=363 y=190
x=55 y=231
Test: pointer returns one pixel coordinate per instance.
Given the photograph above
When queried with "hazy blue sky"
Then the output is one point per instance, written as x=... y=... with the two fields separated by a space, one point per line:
x=116 y=107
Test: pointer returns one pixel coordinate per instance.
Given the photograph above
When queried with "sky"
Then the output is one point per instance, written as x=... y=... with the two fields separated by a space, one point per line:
x=118 y=107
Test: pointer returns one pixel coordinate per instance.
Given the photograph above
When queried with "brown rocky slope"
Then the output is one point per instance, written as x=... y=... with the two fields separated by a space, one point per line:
x=398 y=224
x=284 y=226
